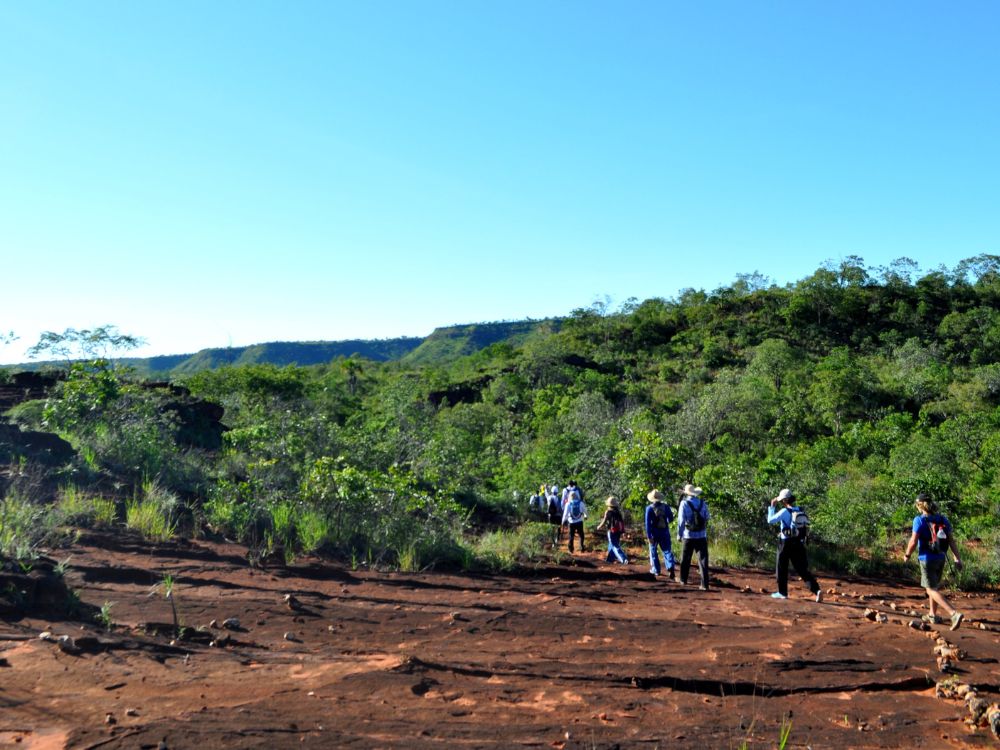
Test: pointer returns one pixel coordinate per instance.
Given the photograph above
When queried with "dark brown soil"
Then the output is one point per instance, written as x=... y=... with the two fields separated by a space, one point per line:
x=576 y=656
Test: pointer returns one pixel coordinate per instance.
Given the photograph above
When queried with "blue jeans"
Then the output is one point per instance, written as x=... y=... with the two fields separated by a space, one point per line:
x=615 y=548
x=661 y=539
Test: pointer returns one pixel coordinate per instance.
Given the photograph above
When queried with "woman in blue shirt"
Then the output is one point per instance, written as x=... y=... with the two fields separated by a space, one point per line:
x=791 y=546
x=932 y=538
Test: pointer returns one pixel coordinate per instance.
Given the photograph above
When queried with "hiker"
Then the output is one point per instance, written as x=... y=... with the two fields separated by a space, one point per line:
x=555 y=511
x=536 y=503
x=932 y=538
x=614 y=522
x=570 y=488
x=692 y=522
x=792 y=533
x=658 y=518
x=574 y=511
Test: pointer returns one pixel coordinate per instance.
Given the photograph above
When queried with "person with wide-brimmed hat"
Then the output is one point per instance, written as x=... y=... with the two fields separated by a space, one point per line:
x=793 y=525
x=614 y=522
x=692 y=533
x=932 y=538
x=658 y=518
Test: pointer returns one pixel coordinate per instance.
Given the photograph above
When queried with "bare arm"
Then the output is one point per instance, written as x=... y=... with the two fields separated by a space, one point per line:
x=910 y=546
x=953 y=546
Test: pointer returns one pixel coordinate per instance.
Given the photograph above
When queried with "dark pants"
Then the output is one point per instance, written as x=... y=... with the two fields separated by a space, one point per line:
x=688 y=548
x=794 y=551
x=576 y=528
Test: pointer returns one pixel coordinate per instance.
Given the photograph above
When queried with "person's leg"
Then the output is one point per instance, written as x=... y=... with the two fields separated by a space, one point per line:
x=799 y=560
x=611 y=549
x=686 y=550
x=782 y=568
x=614 y=547
x=571 y=535
x=654 y=558
x=702 y=547
x=936 y=599
x=668 y=556
x=930 y=578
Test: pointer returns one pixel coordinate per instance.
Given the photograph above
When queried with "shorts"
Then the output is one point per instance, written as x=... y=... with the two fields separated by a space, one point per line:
x=931 y=572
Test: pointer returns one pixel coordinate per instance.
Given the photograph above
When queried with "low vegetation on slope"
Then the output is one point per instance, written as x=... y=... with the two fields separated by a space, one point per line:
x=856 y=386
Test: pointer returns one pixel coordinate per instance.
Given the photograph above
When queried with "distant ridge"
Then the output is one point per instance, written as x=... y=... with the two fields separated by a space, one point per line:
x=279 y=353
x=444 y=345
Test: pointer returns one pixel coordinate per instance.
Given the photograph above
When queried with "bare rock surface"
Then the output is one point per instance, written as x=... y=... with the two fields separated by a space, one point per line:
x=583 y=655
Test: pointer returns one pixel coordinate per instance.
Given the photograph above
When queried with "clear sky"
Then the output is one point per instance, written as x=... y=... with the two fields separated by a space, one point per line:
x=225 y=173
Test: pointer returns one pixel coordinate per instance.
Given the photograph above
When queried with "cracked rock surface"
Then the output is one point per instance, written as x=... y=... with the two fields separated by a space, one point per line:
x=577 y=655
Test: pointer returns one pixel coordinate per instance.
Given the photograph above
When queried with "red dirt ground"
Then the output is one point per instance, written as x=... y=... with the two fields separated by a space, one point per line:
x=583 y=655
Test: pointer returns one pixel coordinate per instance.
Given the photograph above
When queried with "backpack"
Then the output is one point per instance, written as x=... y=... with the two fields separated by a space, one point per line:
x=617 y=523
x=799 y=527
x=536 y=503
x=939 y=536
x=554 y=505
x=660 y=520
x=573 y=494
x=696 y=521
x=575 y=514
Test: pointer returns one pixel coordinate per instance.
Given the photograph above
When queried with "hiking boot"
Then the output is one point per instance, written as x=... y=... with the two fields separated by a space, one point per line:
x=819 y=596
x=932 y=619
x=673 y=577
x=778 y=595
x=956 y=620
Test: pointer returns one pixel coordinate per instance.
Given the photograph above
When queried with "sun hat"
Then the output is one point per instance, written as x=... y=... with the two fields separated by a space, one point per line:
x=612 y=502
x=785 y=494
x=654 y=496
x=690 y=489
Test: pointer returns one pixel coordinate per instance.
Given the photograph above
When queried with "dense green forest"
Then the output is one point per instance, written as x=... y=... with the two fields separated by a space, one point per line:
x=856 y=386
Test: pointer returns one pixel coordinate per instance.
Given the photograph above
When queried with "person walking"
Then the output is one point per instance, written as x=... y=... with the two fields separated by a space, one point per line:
x=614 y=522
x=571 y=488
x=932 y=538
x=692 y=533
x=658 y=518
x=574 y=513
x=793 y=528
x=555 y=512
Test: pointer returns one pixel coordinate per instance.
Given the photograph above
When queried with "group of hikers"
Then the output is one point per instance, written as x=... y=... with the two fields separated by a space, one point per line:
x=931 y=538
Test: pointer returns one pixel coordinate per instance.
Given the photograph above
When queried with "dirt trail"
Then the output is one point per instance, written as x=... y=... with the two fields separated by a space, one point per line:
x=576 y=656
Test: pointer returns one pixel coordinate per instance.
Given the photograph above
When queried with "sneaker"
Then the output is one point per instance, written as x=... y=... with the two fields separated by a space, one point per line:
x=703 y=587
x=819 y=596
x=932 y=619
x=956 y=620
x=654 y=572
x=778 y=595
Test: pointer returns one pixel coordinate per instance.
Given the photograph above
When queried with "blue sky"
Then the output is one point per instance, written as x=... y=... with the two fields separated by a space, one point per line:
x=225 y=173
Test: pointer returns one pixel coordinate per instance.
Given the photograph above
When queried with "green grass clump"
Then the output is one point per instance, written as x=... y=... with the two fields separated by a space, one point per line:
x=506 y=549
x=76 y=508
x=23 y=526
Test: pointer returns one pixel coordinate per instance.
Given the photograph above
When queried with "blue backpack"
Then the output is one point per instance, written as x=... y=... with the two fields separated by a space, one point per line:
x=575 y=509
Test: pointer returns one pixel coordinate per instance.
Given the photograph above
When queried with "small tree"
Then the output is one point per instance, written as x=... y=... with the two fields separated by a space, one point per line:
x=96 y=343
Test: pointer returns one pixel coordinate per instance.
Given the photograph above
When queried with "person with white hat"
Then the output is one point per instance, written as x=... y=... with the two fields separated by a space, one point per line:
x=692 y=524
x=793 y=529
x=614 y=522
x=658 y=518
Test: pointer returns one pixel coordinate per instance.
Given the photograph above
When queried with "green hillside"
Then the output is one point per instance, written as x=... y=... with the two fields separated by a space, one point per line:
x=453 y=342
